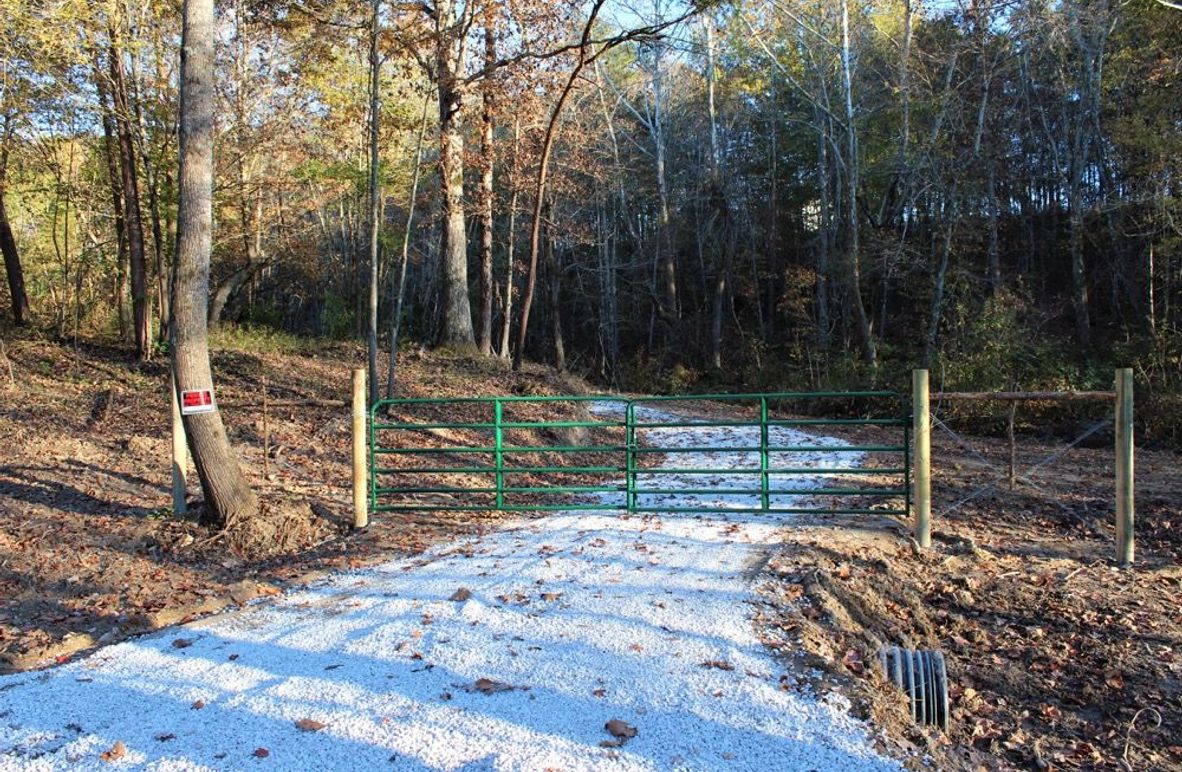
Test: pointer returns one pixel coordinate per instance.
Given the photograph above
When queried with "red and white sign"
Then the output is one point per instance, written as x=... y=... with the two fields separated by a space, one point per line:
x=197 y=401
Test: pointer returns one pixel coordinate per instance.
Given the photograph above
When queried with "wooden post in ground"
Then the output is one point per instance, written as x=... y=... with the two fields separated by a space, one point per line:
x=1013 y=474
x=1124 y=466
x=921 y=425
x=266 y=434
x=360 y=502
x=180 y=456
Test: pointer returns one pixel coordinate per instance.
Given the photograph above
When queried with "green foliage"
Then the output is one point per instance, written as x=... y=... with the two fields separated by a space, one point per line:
x=255 y=339
x=340 y=318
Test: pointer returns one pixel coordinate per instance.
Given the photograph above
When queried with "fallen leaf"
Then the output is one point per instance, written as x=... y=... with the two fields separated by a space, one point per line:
x=309 y=725
x=489 y=686
x=116 y=752
x=165 y=737
x=461 y=595
x=182 y=643
x=621 y=729
x=721 y=664
x=599 y=692
x=261 y=753
x=1115 y=679
x=197 y=705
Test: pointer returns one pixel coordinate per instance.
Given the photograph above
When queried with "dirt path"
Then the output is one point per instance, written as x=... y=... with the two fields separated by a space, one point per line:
x=580 y=641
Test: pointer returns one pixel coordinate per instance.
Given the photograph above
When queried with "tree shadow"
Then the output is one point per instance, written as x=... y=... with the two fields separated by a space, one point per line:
x=59 y=495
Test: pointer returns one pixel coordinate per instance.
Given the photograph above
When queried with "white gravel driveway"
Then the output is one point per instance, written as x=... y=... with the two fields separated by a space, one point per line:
x=512 y=651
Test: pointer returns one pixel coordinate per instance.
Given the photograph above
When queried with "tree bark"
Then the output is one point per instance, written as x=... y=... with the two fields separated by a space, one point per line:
x=555 y=271
x=486 y=184
x=131 y=199
x=455 y=309
x=375 y=213
x=510 y=244
x=228 y=497
x=866 y=335
x=400 y=292
x=824 y=224
x=115 y=182
x=531 y=278
x=667 y=267
x=226 y=291
x=938 y=283
x=12 y=259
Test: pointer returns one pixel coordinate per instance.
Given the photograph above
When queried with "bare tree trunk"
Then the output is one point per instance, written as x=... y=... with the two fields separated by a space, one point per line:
x=510 y=244
x=869 y=355
x=609 y=326
x=455 y=309
x=993 y=251
x=375 y=213
x=152 y=179
x=1079 y=277
x=115 y=181
x=825 y=236
x=555 y=272
x=400 y=293
x=484 y=344
x=548 y=138
x=668 y=269
x=716 y=195
x=228 y=497
x=12 y=259
x=721 y=291
x=938 y=283
x=230 y=287
x=131 y=199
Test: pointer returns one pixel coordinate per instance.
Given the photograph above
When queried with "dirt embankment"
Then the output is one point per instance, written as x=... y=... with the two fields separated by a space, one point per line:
x=89 y=549
x=1057 y=658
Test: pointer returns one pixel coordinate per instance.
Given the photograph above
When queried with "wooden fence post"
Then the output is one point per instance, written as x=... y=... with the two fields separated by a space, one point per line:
x=921 y=426
x=360 y=499
x=1124 y=466
x=180 y=456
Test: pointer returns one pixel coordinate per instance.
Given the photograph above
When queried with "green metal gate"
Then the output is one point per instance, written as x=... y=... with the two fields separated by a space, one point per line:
x=738 y=453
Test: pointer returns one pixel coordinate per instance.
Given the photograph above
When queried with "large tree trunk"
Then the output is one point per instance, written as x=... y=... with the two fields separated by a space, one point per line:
x=455 y=310
x=131 y=200
x=228 y=497
x=12 y=258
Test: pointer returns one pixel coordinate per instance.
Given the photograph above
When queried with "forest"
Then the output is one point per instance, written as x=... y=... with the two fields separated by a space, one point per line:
x=659 y=196
x=666 y=308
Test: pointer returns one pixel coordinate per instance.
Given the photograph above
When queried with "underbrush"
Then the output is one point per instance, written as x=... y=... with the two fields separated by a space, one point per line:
x=1008 y=344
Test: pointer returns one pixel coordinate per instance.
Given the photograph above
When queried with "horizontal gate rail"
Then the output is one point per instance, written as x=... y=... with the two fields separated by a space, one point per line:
x=491 y=455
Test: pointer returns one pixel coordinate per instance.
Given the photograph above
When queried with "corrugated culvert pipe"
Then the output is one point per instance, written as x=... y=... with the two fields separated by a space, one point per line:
x=923 y=677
